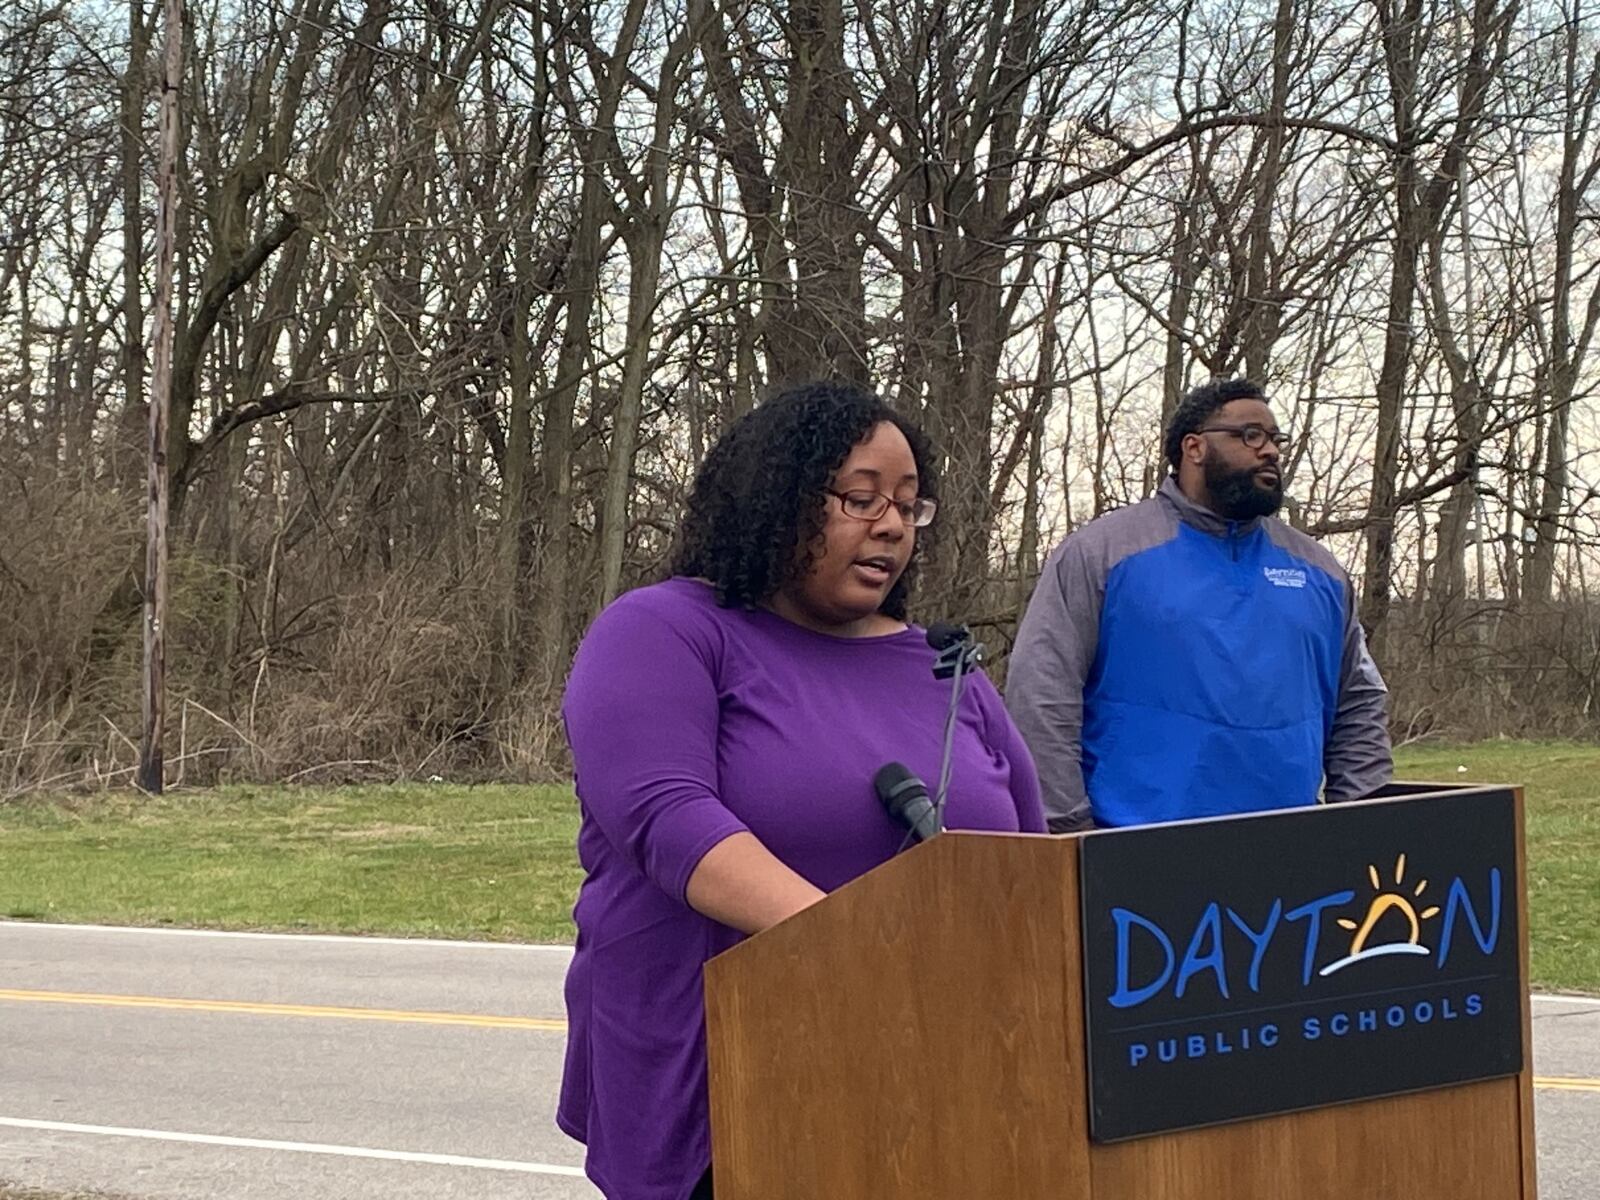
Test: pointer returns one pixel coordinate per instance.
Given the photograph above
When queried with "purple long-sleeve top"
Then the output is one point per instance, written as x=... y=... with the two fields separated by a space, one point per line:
x=690 y=723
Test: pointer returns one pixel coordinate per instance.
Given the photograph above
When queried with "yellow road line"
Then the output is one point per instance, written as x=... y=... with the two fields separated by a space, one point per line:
x=1559 y=1084
x=285 y=1010
x=480 y=1021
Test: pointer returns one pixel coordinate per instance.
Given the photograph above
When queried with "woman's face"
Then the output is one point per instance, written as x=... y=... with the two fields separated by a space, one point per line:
x=859 y=560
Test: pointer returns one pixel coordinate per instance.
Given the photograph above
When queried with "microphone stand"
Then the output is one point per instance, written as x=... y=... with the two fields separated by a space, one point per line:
x=955 y=662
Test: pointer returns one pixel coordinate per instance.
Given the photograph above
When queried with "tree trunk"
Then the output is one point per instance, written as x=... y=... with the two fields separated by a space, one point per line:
x=645 y=233
x=1447 y=579
x=1263 y=308
x=824 y=331
x=134 y=84
x=1379 y=563
x=1038 y=416
x=582 y=278
x=1565 y=353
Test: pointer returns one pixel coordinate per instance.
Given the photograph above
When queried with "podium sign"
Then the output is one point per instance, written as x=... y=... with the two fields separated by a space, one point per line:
x=1281 y=961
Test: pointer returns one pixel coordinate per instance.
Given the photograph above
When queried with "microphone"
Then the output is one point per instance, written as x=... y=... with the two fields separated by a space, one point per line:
x=906 y=799
x=958 y=650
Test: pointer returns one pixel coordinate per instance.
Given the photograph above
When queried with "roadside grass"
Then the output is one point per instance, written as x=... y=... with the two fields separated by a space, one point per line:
x=1562 y=786
x=497 y=862
x=424 y=860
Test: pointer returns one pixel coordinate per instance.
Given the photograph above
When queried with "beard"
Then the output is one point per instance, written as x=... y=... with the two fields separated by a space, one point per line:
x=1239 y=495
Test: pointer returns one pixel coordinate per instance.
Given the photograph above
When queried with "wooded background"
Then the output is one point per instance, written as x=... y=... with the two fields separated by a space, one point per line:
x=465 y=290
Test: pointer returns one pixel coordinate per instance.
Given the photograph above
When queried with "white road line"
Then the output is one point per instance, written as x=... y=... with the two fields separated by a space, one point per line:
x=166 y=931
x=1557 y=998
x=206 y=1139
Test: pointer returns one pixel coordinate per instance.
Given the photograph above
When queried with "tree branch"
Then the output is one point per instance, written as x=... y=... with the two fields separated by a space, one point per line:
x=1402 y=500
x=239 y=273
x=1183 y=132
x=277 y=403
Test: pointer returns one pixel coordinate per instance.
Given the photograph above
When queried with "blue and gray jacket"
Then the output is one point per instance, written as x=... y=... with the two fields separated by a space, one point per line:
x=1173 y=664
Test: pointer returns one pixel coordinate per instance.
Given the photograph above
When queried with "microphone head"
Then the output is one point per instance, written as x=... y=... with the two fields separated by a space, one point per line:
x=897 y=787
x=942 y=635
x=905 y=798
x=891 y=780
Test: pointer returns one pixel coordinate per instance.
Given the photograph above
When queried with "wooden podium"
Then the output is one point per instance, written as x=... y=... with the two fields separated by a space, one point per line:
x=921 y=1034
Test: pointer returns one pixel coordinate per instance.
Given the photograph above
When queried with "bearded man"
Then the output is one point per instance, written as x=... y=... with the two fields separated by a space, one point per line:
x=1193 y=656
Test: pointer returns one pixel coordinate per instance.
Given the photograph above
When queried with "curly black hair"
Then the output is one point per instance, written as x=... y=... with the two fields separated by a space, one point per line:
x=759 y=493
x=1196 y=407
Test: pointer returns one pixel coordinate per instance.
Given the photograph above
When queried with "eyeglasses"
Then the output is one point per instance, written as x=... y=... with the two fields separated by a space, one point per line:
x=1253 y=436
x=869 y=506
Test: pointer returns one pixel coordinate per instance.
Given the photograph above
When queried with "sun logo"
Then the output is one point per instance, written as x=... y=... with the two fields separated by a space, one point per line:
x=1384 y=901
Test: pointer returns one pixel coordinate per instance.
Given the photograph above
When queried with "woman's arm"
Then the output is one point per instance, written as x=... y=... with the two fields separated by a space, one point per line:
x=741 y=883
x=642 y=714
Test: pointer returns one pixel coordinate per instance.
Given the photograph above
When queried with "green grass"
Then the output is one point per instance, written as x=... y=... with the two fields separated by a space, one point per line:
x=422 y=860
x=1562 y=782
x=498 y=862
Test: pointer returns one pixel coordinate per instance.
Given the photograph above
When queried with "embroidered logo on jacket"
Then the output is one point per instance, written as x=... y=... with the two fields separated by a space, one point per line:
x=1289 y=577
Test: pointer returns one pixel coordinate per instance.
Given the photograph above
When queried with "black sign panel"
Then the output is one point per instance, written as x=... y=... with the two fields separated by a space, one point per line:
x=1285 y=960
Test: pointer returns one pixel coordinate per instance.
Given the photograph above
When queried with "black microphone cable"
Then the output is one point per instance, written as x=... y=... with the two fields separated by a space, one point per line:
x=959 y=654
x=902 y=793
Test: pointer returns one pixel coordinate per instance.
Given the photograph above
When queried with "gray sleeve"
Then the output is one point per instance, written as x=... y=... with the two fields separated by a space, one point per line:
x=1044 y=681
x=1358 y=760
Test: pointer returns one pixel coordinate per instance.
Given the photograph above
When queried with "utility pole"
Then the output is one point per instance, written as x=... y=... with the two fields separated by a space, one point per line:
x=151 y=771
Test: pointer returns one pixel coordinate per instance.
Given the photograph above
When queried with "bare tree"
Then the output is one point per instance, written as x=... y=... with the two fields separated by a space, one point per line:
x=1422 y=197
x=1569 y=333
x=462 y=295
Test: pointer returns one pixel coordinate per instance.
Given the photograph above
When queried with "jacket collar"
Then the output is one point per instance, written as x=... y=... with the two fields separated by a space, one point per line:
x=1199 y=517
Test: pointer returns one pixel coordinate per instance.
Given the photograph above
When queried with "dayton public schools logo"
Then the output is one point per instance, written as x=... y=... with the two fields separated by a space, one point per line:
x=1225 y=951
x=1384 y=902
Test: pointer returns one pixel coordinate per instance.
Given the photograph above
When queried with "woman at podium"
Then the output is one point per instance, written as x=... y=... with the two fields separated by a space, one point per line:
x=726 y=725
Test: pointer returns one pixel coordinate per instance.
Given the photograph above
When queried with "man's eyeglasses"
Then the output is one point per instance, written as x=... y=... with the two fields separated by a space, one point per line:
x=1253 y=436
x=870 y=506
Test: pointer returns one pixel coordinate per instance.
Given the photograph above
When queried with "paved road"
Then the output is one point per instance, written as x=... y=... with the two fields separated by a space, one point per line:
x=1566 y=1045
x=248 y=1056
x=311 y=1078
